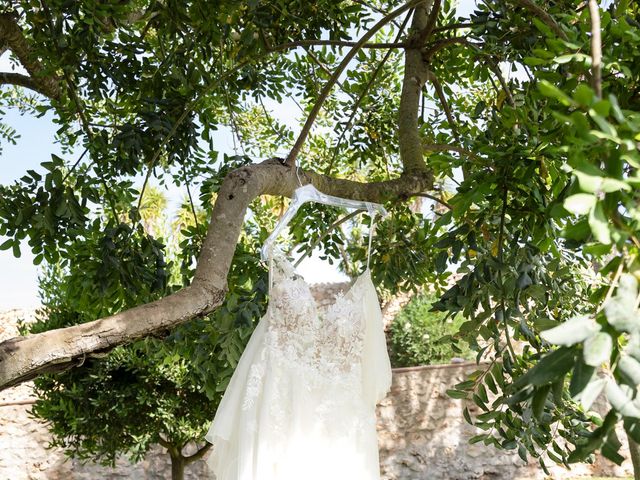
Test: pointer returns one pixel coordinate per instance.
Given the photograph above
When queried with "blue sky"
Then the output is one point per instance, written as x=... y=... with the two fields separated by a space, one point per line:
x=18 y=276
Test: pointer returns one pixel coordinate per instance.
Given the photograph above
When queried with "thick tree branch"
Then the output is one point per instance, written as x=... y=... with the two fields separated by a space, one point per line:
x=431 y=23
x=306 y=129
x=23 y=358
x=596 y=48
x=415 y=75
x=10 y=78
x=11 y=36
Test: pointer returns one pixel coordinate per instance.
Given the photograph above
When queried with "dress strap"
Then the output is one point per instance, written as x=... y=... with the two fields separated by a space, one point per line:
x=270 y=273
x=371 y=232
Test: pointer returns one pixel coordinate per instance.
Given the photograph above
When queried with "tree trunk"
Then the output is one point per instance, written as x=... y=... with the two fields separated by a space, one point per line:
x=177 y=467
x=634 y=451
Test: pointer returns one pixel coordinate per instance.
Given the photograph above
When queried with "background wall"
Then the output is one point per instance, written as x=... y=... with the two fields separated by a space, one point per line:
x=422 y=436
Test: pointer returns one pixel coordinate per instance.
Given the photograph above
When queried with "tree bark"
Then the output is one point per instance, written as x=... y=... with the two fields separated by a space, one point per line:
x=12 y=37
x=416 y=74
x=23 y=358
x=177 y=468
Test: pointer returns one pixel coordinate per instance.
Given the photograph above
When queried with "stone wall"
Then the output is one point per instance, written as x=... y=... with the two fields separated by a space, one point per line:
x=422 y=435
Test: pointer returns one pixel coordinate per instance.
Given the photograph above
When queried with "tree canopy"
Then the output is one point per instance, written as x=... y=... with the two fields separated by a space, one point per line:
x=530 y=108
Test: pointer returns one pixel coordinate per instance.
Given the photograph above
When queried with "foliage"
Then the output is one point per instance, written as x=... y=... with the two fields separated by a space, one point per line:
x=542 y=228
x=418 y=336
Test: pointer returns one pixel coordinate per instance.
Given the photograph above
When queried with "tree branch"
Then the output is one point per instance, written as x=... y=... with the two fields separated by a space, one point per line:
x=443 y=147
x=11 y=35
x=199 y=454
x=596 y=48
x=445 y=105
x=302 y=137
x=335 y=43
x=440 y=44
x=10 y=78
x=415 y=76
x=496 y=69
x=435 y=199
x=544 y=16
x=431 y=23
x=23 y=358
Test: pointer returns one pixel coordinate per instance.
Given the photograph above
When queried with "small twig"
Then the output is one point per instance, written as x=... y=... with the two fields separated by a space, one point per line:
x=293 y=155
x=443 y=147
x=503 y=215
x=544 y=16
x=375 y=9
x=73 y=167
x=335 y=43
x=496 y=69
x=332 y=227
x=193 y=208
x=456 y=26
x=435 y=47
x=596 y=48
x=614 y=281
x=435 y=199
x=445 y=105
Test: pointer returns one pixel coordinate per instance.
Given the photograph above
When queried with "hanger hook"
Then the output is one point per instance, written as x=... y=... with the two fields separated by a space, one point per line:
x=297 y=175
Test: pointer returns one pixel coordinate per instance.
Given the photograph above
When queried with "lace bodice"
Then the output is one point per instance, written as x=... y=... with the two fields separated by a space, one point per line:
x=327 y=340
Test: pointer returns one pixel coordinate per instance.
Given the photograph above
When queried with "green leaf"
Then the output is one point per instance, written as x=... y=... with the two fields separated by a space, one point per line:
x=611 y=447
x=580 y=204
x=534 y=61
x=522 y=453
x=456 y=394
x=584 y=95
x=599 y=225
x=574 y=330
x=590 y=393
x=630 y=369
x=7 y=244
x=597 y=349
x=581 y=377
x=549 y=368
x=539 y=401
x=602 y=122
x=467 y=416
x=550 y=90
x=619 y=400
x=620 y=310
x=632 y=427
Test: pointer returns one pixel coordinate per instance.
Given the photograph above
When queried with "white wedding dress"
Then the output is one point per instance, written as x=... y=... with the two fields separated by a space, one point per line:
x=301 y=402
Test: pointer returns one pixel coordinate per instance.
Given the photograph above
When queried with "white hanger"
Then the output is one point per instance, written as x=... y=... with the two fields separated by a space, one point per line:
x=308 y=193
